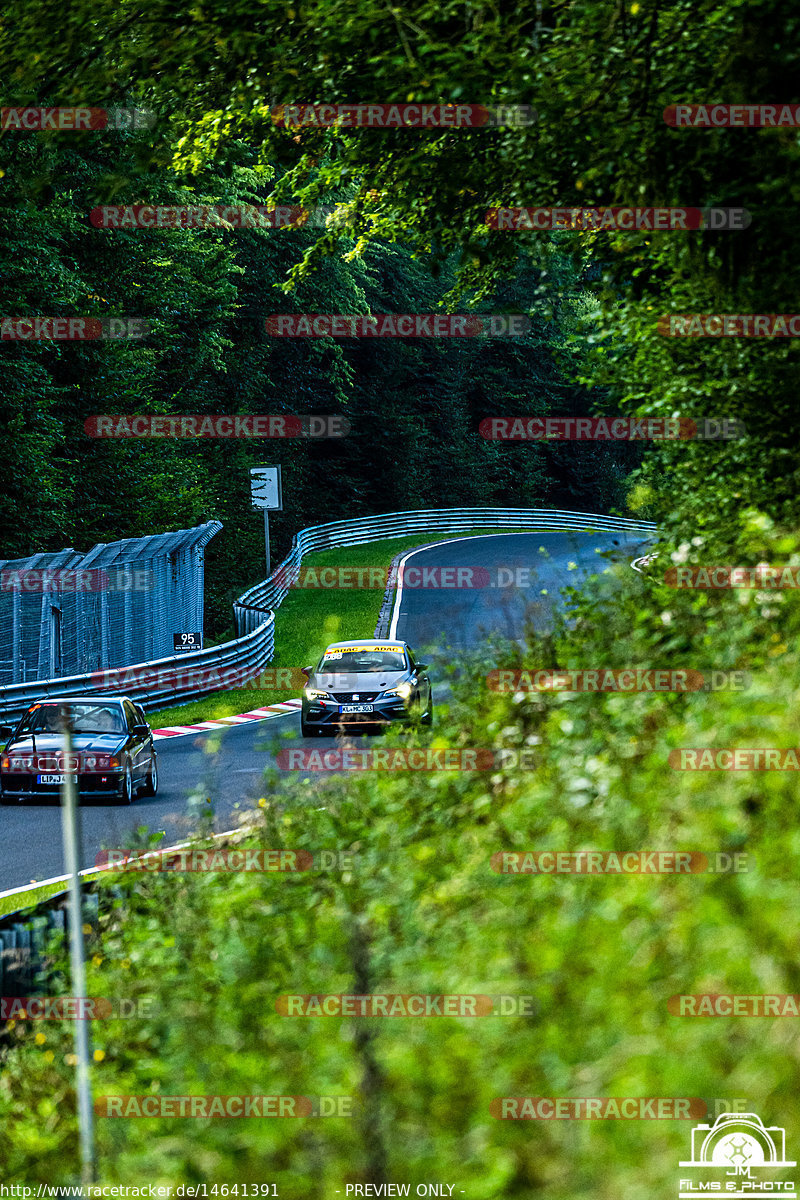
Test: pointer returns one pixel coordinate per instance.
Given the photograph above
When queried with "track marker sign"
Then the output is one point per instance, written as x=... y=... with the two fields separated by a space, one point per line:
x=183 y=642
x=266 y=493
x=265 y=488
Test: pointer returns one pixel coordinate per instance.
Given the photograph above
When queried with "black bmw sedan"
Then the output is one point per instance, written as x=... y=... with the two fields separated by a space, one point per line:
x=113 y=755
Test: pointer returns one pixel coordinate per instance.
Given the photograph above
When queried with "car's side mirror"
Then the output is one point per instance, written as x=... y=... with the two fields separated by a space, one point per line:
x=307 y=671
x=6 y=732
x=140 y=730
x=422 y=666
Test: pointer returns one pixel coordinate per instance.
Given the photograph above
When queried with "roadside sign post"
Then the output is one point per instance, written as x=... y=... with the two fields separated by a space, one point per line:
x=71 y=839
x=182 y=643
x=266 y=493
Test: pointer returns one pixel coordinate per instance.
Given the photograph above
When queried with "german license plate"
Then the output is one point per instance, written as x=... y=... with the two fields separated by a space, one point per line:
x=352 y=708
x=54 y=778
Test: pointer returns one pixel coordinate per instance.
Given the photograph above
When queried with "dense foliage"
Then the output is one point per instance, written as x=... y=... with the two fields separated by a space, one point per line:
x=414 y=406
x=417 y=908
x=600 y=77
x=421 y=909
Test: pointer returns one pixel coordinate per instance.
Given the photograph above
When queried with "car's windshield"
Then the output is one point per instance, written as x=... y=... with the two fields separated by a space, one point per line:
x=85 y=718
x=363 y=660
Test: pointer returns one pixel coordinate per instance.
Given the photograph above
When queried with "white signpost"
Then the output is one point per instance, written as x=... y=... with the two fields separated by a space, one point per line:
x=77 y=955
x=266 y=493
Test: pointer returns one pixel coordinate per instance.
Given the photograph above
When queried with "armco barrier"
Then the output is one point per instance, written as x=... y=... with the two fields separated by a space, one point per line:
x=33 y=938
x=264 y=597
x=254 y=647
x=245 y=656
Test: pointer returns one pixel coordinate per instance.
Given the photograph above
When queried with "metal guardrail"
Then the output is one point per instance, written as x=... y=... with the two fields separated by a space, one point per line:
x=176 y=679
x=265 y=597
x=34 y=938
x=184 y=677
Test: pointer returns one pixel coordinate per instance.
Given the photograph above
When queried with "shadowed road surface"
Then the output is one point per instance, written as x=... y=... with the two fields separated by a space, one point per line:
x=503 y=578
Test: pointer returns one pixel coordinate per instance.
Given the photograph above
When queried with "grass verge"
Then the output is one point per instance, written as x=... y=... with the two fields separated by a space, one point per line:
x=9 y=904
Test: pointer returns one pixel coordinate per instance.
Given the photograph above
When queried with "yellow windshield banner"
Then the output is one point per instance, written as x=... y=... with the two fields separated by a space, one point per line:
x=340 y=650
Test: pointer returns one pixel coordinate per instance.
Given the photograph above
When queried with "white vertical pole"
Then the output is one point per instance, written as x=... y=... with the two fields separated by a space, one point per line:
x=69 y=825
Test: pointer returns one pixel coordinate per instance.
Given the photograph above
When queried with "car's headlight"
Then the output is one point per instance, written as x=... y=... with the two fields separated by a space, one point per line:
x=403 y=690
x=114 y=764
x=315 y=694
x=16 y=762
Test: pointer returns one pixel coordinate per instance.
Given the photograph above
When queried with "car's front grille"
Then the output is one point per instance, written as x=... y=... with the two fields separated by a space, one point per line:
x=348 y=698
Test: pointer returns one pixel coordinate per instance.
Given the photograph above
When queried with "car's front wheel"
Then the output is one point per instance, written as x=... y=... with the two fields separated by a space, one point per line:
x=126 y=793
x=307 y=730
x=151 y=782
x=419 y=713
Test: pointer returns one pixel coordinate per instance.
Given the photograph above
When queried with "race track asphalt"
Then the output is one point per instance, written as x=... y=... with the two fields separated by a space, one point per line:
x=220 y=773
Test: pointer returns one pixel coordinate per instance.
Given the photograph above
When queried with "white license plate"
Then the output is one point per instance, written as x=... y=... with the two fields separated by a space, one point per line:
x=348 y=708
x=54 y=778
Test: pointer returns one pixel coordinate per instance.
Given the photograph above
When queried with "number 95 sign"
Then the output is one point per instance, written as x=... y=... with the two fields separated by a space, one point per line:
x=187 y=641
